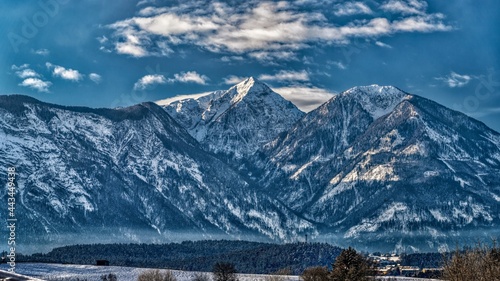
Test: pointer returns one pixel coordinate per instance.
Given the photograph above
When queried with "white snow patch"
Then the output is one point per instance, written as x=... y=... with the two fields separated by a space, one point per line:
x=372 y=225
x=335 y=180
x=341 y=187
x=299 y=171
x=289 y=168
x=439 y=216
x=448 y=165
x=377 y=100
x=496 y=197
x=415 y=149
x=391 y=140
x=381 y=173
x=429 y=174
x=461 y=181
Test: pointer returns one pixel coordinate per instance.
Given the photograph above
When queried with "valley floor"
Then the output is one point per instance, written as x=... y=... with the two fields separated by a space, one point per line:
x=63 y=272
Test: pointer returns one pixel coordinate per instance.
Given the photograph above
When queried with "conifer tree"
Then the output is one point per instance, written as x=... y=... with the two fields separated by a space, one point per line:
x=351 y=266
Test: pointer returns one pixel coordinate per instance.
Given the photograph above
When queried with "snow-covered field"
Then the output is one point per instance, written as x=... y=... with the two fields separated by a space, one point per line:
x=93 y=273
x=62 y=272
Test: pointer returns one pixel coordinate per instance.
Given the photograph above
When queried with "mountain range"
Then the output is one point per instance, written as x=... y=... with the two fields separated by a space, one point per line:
x=374 y=167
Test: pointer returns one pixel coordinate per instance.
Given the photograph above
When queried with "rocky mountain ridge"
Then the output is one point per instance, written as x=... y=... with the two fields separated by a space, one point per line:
x=373 y=167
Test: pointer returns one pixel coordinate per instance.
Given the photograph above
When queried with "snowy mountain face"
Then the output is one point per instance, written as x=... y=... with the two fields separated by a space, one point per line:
x=130 y=173
x=375 y=164
x=237 y=122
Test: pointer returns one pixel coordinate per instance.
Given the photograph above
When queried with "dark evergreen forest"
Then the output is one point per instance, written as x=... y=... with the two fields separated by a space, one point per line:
x=248 y=257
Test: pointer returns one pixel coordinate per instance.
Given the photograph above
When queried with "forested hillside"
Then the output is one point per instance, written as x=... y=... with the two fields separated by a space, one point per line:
x=248 y=257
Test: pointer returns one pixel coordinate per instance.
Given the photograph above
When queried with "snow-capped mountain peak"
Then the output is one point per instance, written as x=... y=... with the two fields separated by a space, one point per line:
x=238 y=121
x=380 y=161
x=372 y=165
x=377 y=100
x=247 y=87
x=130 y=172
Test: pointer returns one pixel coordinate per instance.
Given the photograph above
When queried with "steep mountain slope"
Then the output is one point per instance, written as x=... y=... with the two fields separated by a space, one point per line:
x=377 y=164
x=237 y=122
x=130 y=173
x=374 y=166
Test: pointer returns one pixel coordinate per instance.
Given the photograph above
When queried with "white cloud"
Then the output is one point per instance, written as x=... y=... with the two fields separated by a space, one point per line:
x=232 y=58
x=426 y=23
x=150 y=11
x=286 y=76
x=64 y=73
x=144 y=2
x=232 y=79
x=383 y=45
x=41 y=52
x=37 y=84
x=21 y=67
x=271 y=56
x=339 y=65
x=96 y=78
x=31 y=78
x=102 y=39
x=190 y=77
x=128 y=48
x=266 y=31
x=181 y=97
x=455 y=80
x=405 y=6
x=24 y=71
x=352 y=8
x=148 y=81
x=305 y=98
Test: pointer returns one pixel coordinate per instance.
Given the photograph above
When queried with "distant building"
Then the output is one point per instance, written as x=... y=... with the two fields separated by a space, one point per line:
x=409 y=270
x=102 y=262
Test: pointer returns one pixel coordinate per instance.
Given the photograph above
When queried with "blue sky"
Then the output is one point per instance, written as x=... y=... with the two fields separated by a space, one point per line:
x=104 y=53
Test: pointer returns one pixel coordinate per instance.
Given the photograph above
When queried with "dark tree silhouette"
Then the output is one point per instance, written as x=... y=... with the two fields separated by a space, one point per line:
x=351 y=266
x=109 y=277
x=479 y=263
x=317 y=273
x=224 y=271
x=156 y=275
x=199 y=276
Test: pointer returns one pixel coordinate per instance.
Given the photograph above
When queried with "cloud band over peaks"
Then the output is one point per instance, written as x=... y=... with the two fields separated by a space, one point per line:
x=257 y=27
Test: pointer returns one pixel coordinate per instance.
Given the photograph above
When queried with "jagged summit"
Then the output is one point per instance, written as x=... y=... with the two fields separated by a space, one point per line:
x=249 y=86
x=378 y=164
x=236 y=93
x=375 y=89
x=236 y=122
x=132 y=172
x=376 y=100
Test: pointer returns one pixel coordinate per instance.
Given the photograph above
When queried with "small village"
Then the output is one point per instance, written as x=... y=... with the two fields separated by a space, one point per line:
x=390 y=265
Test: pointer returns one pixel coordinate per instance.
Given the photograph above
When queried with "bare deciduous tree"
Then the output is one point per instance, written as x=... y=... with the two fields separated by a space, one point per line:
x=224 y=271
x=481 y=263
x=317 y=273
x=156 y=275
